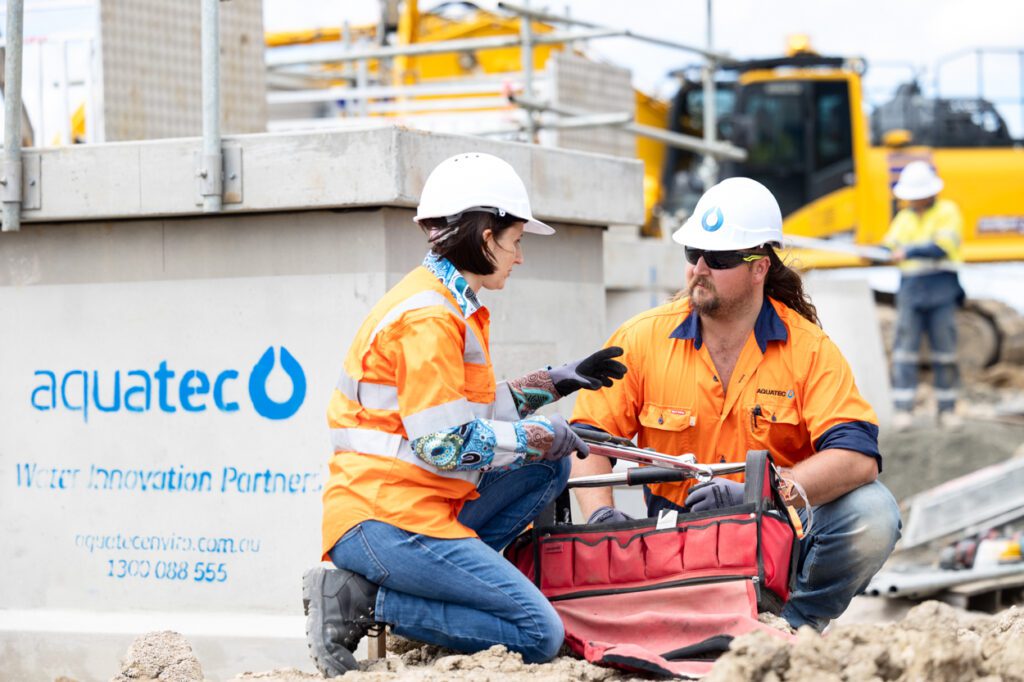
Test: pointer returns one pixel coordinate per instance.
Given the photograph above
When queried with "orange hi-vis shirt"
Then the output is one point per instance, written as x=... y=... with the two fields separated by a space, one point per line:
x=791 y=393
x=418 y=365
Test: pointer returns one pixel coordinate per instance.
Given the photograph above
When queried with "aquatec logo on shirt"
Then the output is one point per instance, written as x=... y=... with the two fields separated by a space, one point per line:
x=775 y=392
x=170 y=390
x=712 y=219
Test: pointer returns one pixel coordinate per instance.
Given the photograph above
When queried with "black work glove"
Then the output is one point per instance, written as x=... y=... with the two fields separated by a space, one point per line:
x=593 y=372
x=566 y=440
x=608 y=515
x=717 y=493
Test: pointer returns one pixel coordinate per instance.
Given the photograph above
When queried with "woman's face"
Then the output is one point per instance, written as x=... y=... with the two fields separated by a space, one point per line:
x=507 y=252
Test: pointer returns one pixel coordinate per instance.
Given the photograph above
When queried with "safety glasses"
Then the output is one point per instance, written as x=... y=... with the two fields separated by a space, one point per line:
x=720 y=260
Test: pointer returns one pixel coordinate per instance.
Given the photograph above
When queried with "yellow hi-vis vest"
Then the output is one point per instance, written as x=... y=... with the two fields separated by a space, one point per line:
x=417 y=366
x=941 y=224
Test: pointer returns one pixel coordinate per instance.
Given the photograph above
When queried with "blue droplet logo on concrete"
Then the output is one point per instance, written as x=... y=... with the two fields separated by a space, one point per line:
x=712 y=219
x=264 y=404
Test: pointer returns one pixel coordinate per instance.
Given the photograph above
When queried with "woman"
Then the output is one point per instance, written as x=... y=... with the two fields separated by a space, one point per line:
x=436 y=468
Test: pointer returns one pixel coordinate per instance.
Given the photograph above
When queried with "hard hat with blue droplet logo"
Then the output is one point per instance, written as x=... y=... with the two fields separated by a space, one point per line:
x=737 y=213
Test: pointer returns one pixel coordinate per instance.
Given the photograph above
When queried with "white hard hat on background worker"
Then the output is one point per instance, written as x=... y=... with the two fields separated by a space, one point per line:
x=737 y=213
x=477 y=181
x=917 y=181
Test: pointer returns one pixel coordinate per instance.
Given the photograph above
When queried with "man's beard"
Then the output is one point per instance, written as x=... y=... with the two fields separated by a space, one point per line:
x=711 y=304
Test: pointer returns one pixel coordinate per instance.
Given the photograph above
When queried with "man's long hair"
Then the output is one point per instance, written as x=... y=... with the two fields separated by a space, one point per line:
x=785 y=285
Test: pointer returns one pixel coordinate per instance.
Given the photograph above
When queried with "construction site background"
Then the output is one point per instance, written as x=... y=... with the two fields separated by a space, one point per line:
x=121 y=269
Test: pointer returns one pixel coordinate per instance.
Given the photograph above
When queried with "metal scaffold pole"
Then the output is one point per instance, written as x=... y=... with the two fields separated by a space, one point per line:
x=710 y=170
x=211 y=163
x=10 y=183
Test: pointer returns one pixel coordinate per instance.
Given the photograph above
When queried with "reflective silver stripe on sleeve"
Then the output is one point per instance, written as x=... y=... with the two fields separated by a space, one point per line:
x=903 y=393
x=946 y=394
x=438 y=418
x=474 y=352
x=372 y=442
x=482 y=410
x=505 y=447
x=504 y=404
x=505 y=435
x=905 y=356
x=423 y=299
x=369 y=395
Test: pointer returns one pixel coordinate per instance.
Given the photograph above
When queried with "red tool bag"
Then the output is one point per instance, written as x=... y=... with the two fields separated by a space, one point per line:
x=662 y=597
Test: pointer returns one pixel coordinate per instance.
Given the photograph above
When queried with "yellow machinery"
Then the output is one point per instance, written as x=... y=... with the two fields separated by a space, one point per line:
x=801 y=119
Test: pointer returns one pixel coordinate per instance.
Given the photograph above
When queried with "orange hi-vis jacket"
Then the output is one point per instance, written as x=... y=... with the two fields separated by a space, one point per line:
x=417 y=366
x=791 y=393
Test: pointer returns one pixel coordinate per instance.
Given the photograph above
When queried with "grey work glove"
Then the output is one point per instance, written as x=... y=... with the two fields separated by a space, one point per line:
x=714 y=494
x=565 y=441
x=608 y=515
x=593 y=372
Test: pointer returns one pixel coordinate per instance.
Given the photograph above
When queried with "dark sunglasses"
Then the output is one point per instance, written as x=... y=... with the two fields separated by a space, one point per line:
x=720 y=260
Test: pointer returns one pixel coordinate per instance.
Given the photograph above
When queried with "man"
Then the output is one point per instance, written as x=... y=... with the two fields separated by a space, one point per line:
x=925 y=242
x=740 y=364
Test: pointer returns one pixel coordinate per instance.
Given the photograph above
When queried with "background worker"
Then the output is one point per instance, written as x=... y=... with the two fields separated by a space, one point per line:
x=925 y=241
x=741 y=364
x=435 y=467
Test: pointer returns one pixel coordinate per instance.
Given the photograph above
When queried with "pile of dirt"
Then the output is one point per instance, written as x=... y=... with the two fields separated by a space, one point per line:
x=933 y=642
x=160 y=656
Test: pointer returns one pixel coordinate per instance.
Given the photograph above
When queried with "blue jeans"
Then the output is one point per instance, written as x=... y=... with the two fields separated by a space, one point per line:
x=913 y=322
x=851 y=538
x=462 y=594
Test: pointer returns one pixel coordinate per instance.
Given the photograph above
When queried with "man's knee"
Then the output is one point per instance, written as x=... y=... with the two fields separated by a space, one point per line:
x=870 y=518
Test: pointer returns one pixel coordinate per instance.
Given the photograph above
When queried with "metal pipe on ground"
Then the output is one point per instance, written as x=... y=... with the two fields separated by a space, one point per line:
x=10 y=183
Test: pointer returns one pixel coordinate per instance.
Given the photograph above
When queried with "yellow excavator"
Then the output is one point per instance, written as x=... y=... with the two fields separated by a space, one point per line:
x=801 y=119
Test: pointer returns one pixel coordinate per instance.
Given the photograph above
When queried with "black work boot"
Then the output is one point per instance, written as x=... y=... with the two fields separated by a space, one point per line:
x=339 y=607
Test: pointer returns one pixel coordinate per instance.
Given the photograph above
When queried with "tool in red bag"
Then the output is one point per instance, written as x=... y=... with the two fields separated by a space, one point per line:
x=607 y=445
x=662 y=468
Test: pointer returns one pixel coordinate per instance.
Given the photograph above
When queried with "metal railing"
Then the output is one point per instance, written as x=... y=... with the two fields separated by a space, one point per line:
x=365 y=99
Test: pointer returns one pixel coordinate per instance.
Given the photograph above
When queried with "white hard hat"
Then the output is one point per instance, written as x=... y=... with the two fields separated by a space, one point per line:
x=917 y=181
x=738 y=213
x=477 y=180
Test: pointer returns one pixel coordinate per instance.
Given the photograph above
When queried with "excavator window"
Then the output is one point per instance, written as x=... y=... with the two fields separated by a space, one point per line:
x=798 y=138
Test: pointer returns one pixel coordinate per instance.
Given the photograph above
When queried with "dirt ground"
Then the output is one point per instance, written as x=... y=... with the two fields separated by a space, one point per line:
x=931 y=642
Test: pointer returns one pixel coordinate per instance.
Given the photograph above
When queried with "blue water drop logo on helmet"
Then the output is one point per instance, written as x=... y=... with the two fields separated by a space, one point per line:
x=718 y=218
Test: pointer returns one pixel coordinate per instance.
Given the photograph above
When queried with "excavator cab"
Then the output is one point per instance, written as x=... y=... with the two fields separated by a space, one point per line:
x=798 y=136
x=792 y=116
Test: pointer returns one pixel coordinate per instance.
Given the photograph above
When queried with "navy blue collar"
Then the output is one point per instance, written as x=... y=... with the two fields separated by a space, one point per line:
x=767 y=327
